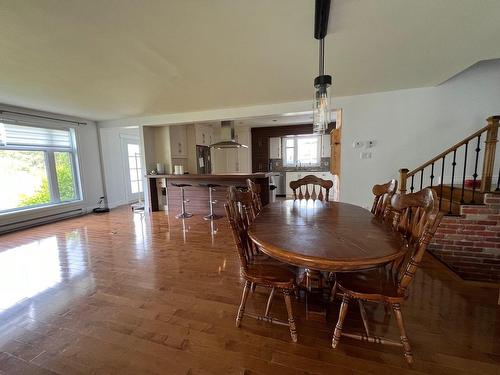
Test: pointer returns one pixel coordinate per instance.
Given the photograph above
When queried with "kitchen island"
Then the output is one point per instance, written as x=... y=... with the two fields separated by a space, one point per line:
x=170 y=196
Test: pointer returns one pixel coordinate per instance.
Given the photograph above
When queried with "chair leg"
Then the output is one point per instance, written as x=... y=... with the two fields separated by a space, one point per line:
x=241 y=309
x=402 y=332
x=333 y=292
x=338 y=328
x=269 y=302
x=252 y=287
x=364 y=317
x=291 y=321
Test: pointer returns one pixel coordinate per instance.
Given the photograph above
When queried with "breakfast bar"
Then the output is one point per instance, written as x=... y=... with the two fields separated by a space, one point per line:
x=197 y=192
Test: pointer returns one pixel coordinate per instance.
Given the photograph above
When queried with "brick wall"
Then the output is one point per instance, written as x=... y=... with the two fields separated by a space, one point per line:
x=470 y=244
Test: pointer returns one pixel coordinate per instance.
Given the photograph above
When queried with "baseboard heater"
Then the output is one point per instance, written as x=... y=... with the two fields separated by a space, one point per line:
x=45 y=219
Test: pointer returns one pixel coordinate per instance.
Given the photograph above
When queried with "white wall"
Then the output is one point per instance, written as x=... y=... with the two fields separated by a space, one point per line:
x=90 y=174
x=113 y=163
x=409 y=126
x=412 y=126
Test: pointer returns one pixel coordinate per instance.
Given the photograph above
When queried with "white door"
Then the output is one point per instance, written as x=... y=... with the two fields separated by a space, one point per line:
x=133 y=168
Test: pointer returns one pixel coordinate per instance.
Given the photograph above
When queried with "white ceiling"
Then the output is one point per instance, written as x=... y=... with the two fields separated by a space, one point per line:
x=120 y=58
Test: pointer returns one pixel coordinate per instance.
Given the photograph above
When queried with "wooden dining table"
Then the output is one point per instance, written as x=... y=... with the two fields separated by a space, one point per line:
x=325 y=236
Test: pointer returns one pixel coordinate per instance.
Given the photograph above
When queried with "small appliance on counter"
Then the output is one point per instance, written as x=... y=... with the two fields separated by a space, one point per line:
x=178 y=169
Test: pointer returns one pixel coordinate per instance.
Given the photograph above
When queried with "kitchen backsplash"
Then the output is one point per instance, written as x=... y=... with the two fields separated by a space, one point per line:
x=277 y=166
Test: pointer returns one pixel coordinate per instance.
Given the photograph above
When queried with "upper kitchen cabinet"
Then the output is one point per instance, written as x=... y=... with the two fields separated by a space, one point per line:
x=325 y=146
x=178 y=141
x=275 y=148
x=204 y=135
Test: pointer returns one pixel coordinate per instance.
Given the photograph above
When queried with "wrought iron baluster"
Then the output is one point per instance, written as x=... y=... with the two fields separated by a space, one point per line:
x=475 y=168
x=441 y=189
x=498 y=181
x=463 y=175
x=432 y=173
x=453 y=164
x=411 y=187
x=421 y=179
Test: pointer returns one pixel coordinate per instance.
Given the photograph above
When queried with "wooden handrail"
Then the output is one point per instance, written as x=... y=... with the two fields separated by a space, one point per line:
x=451 y=149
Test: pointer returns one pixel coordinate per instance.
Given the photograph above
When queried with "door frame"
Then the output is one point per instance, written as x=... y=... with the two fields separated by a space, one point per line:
x=125 y=140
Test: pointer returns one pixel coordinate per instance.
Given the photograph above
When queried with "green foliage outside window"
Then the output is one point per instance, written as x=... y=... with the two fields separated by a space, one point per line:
x=65 y=183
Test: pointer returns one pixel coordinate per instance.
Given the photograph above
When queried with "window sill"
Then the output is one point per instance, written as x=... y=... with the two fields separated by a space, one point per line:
x=29 y=211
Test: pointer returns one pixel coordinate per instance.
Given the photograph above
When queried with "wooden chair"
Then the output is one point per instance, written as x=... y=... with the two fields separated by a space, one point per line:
x=270 y=273
x=255 y=190
x=416 y=217
x=382 y=202
x=325 y=185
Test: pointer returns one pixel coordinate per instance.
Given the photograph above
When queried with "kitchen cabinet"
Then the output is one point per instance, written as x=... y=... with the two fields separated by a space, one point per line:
x=178 y=141
x=293 y=176
x=275 y=148
x=204 y=135
x=325 y=146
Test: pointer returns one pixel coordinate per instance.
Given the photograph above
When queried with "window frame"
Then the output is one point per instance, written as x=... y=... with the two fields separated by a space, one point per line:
x=295 y=150
x=50 y=167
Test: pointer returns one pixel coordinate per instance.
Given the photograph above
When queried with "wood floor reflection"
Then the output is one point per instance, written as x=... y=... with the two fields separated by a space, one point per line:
x=125 y=293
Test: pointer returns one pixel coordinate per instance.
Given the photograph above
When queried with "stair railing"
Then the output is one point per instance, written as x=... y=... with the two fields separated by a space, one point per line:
x=465 y=162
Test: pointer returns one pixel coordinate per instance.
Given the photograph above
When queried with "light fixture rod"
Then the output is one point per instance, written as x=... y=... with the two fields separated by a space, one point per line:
x=321 y=57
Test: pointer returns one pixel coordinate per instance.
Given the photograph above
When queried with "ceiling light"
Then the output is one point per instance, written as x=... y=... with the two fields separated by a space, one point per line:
x=322 y=83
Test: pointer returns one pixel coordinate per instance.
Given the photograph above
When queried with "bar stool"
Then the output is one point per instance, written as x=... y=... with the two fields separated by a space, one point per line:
x=183 y=214
x=211 y=202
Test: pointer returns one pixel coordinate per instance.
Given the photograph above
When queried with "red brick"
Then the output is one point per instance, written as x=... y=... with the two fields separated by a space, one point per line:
x=487 y=222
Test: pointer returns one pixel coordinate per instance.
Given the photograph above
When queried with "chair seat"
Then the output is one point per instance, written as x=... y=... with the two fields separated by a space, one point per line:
x=269 y=274
x=204 y=184
x=180 y=185
x=372 y=285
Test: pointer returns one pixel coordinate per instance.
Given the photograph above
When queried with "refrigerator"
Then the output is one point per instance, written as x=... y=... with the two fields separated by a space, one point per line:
x=203 y=160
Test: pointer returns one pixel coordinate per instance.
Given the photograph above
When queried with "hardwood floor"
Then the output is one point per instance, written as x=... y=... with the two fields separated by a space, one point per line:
x=130 y=294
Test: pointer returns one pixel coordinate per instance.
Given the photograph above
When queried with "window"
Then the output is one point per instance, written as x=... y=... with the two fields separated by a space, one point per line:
x=301 y=150
x=38 y=166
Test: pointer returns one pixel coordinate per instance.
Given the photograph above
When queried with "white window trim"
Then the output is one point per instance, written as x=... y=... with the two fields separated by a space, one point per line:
x=295 y=150
x=50 y=169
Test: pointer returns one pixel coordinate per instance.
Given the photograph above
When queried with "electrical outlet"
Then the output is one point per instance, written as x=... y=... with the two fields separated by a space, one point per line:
x=357 y=144
x=365 y=155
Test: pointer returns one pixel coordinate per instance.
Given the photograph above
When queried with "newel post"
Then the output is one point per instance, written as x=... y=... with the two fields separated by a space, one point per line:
x=403 y=176
x=489 y=153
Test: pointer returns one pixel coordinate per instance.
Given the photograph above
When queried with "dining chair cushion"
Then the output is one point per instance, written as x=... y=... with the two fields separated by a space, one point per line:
x=180 y=185
x=204 y=184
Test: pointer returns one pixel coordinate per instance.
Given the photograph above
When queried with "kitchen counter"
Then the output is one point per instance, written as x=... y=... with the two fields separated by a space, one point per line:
x=168 y=197
x=213 y=176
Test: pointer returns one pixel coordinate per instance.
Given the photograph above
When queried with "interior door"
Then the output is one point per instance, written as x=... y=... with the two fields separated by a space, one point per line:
x=132 y=168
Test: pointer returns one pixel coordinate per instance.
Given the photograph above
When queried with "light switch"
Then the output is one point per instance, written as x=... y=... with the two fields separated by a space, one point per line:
x=370 y=143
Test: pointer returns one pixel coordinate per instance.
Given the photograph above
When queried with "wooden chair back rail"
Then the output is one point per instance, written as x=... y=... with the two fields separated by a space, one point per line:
x=382 y=201
x=256 y=199
x=315 y=192
x=240 y=209
x=416 y=217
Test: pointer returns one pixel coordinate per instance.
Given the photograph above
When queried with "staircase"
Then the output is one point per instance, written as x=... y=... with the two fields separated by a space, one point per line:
x=468 y=239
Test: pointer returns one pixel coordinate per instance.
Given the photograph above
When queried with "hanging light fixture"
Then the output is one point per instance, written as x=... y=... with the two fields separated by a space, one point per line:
x=322 y=83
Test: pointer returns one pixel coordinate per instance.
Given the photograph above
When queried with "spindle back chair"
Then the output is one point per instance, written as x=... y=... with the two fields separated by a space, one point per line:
x=316 y=183
x=416 y=218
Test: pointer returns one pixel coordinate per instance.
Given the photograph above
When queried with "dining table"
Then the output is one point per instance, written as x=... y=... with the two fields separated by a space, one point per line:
x=325 y=236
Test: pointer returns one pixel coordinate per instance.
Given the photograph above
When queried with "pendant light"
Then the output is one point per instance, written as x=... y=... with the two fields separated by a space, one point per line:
x=322 y=83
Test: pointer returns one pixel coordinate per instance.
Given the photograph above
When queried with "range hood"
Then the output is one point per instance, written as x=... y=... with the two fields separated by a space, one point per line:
x=227 y=134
